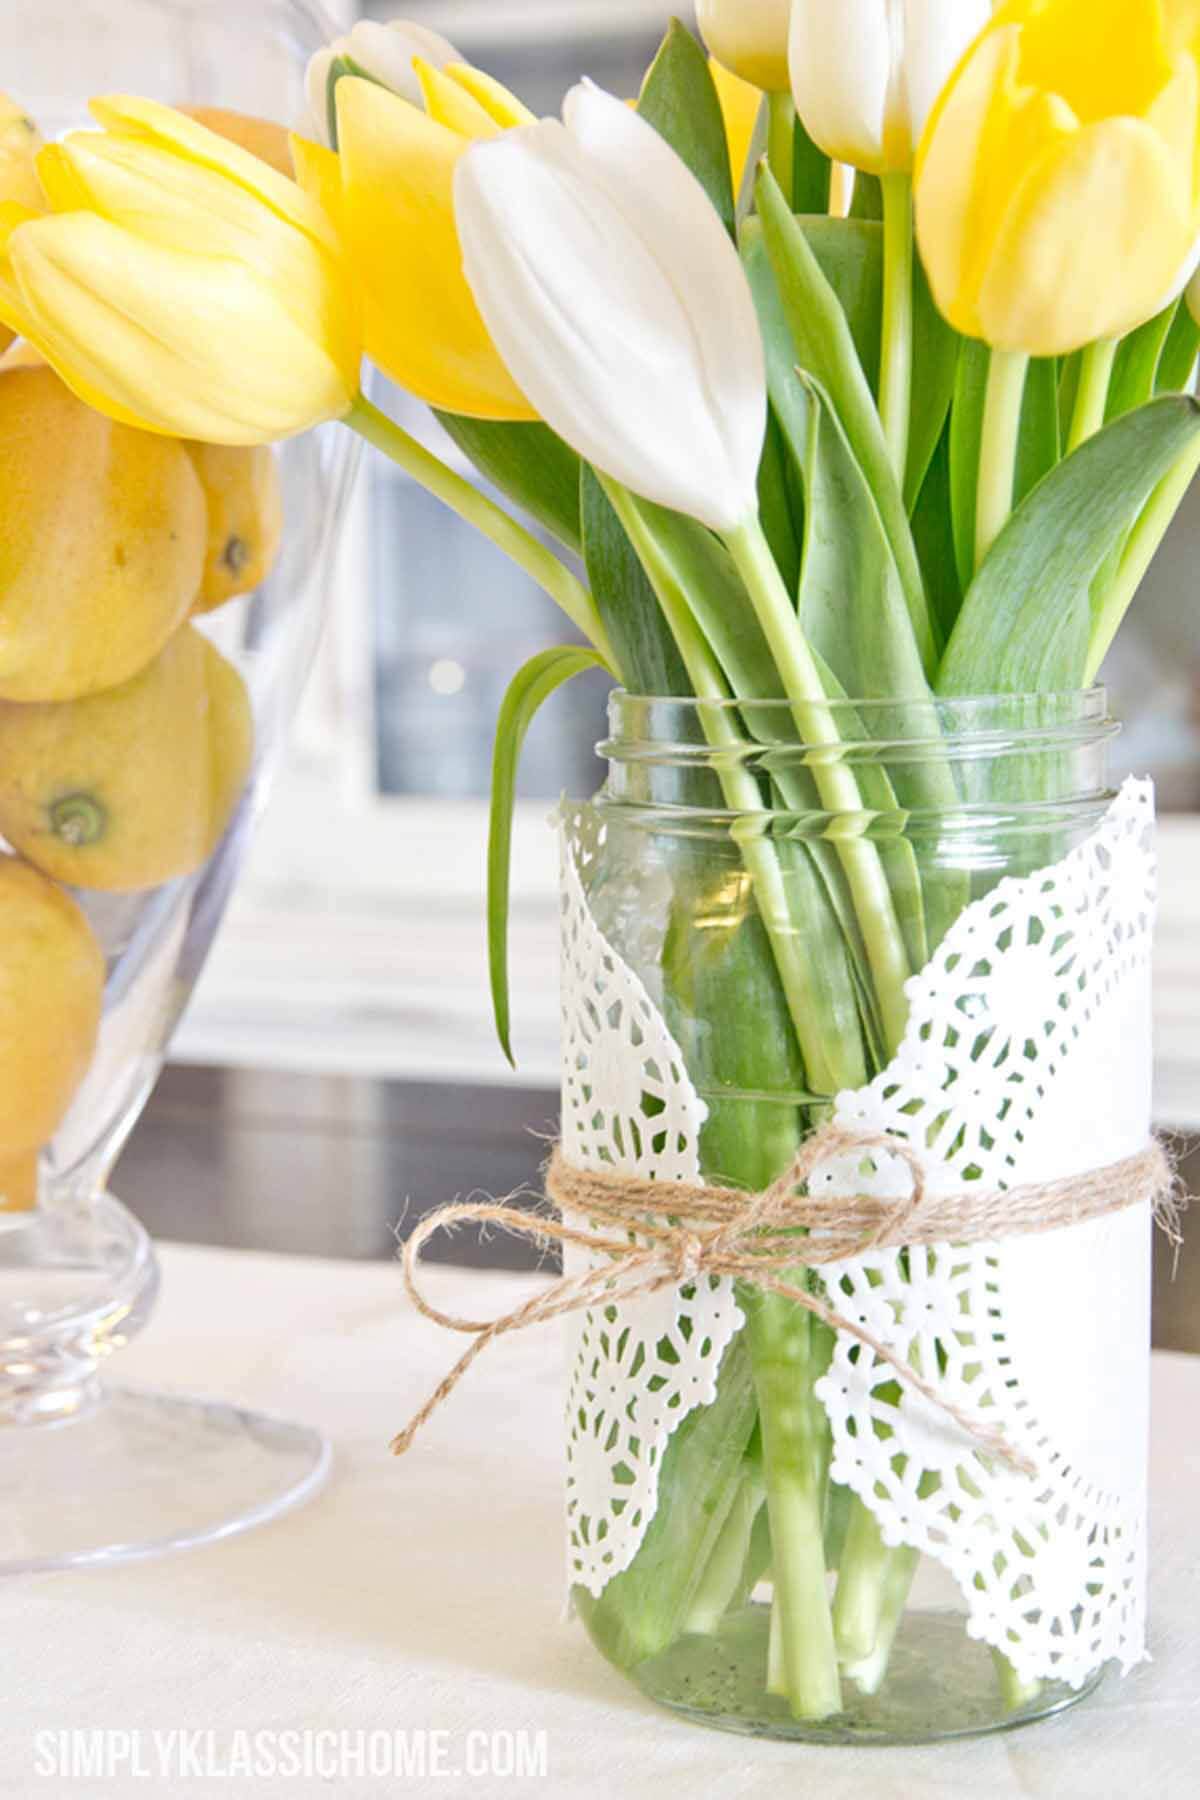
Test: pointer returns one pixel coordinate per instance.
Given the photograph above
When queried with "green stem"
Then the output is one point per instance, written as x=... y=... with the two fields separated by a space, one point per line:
x=998 y=449
x=859 y=1599
x=1014 y=1692
x=781 y=142
x=835 y=781
x=462 y=497
x=742 y=796
x=781 y=1350
x=1145 y=540
x=723 y=1575
x=895 y=383
x=894 y=1583
x=1091 y=397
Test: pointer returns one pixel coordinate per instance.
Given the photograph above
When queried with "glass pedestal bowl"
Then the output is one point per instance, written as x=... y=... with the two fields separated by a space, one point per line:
x=92 y=1472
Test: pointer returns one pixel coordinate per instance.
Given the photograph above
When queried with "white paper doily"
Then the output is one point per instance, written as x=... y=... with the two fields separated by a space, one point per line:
x=627 y=1104
x=1027 y=1056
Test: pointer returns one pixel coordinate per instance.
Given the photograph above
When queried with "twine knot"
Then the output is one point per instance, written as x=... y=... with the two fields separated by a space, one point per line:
x=644 y=1235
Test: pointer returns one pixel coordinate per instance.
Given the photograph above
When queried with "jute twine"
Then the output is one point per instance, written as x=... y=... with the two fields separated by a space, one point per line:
x=643 y=1236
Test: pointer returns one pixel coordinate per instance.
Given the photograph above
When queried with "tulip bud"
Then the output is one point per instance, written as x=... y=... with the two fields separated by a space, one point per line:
x=181 y=284
x=750 y=37
x=1056 y=186
x=618 y=302
x=385 y=54
x=866 y=73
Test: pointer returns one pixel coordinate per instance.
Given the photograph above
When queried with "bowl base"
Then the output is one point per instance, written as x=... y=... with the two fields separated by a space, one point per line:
x=142 y=1473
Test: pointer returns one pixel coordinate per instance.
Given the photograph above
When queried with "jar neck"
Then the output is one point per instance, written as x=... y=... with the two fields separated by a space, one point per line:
x=695 y=761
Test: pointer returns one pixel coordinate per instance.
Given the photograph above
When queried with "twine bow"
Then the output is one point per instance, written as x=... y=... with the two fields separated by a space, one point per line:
x=666 y=1234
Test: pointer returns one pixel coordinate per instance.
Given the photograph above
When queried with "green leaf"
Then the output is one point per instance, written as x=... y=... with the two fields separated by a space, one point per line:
x=530 y=464
x=531 y=685
x=811 y=170
x=775 y=508
x=1177 y=366
x=1026 y=620
x=936 y=347
x=679 y=98
x=685 y=561
x=966 y=436
x=646 y=652
x=1039 y=447
x=850 y=256
x=1135 y=369
x=824 y=348
x=853 y=615
x=933 y=531
x=867 y=202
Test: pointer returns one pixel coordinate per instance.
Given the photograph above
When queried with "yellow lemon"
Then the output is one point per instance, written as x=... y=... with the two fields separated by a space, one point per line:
x=245 y=518
x=51 y=990
x=103 y=531
x=134 y=786
x=261 y=137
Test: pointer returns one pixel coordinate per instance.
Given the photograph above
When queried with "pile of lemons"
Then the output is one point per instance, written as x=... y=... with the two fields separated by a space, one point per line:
x=126 y=738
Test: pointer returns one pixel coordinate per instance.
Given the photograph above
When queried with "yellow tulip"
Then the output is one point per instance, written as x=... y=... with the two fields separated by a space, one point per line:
x=181 y=284
x=20 y=142
x=390 y=191
x=1057 y=190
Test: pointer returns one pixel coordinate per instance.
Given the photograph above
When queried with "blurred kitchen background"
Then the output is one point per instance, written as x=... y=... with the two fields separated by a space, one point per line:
x=337 y=1072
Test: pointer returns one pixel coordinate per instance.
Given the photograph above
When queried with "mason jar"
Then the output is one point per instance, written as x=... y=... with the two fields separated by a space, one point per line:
x=771 y=1530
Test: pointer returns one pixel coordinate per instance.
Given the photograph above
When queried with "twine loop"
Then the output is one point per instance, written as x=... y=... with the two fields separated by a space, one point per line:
x=645 y=1235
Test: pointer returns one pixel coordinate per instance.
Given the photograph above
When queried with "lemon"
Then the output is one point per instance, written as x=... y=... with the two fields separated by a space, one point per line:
x=245 y=518
x=132 y=787
x=103 y=533
x=51 y=991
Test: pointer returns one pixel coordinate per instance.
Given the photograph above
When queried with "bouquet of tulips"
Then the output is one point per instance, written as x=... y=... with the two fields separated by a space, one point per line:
x=850 y=363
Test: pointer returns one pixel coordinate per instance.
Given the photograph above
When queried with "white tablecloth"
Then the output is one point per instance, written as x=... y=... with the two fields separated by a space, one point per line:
x=425 y=1595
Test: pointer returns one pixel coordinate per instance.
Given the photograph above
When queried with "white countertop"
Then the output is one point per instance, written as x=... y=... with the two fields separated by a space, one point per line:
x=426 y=1594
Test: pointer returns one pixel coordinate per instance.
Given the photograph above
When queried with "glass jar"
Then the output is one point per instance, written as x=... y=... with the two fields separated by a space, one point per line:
x=737 y=957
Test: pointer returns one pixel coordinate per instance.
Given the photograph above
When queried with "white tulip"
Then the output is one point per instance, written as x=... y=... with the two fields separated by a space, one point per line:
x=385 y=53
x=616 y=299
x=866 y=73
x=750 y=37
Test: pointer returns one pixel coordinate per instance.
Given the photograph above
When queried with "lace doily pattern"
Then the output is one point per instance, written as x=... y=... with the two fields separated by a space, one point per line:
x=1027 y=1057
x=627 y=1104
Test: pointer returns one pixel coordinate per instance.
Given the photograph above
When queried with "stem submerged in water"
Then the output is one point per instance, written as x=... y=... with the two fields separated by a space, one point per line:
x=781 y=1345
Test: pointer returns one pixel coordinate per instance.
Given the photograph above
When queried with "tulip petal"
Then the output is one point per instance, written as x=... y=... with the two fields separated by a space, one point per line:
x=168 y=200
x=748 y=37
x=1103 y=57
x=635 y=335
x=319 y=172
x=421 y=323
x=388 y=52
x=492 y=95
x=189 y=345
x=841 y=67
x=1052 y=287
x=986 y=129
x=1175 y=115
x=935 y=39
x=148 y=121
x=449 y=104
